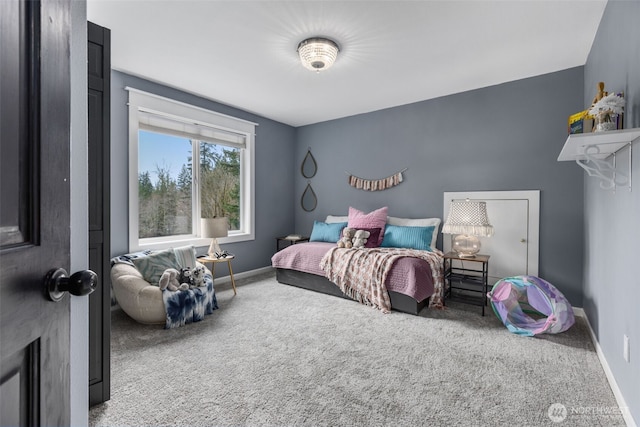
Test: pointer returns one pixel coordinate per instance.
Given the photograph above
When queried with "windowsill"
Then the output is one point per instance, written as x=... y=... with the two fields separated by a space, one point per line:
x=198 y=242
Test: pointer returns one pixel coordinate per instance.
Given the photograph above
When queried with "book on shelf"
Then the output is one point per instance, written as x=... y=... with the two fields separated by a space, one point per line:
x=293 y=237
x=580 y=122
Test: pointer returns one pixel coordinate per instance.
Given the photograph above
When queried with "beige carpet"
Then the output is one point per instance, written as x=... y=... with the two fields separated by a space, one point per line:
x=276 y=355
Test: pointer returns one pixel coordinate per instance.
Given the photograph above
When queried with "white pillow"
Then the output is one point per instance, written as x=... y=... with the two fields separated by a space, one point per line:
x=332 y=219
x=419 y=222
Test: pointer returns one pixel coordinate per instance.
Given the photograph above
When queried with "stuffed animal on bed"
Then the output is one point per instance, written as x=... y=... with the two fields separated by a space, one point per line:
x=169 y=280
x=347 y=236
x=360 y=238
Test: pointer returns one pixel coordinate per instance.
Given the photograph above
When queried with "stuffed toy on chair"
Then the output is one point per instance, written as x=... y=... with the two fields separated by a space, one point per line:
x=169 y=280
x=347 y=236
x=197 y=276
x=185 y=276
x=360 y=238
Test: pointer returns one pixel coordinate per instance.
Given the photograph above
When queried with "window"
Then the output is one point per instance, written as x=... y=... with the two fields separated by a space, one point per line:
x=186 y=163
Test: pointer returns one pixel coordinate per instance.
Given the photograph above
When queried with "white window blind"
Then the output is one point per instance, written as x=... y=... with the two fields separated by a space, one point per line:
x=159 y=122
x=170 y=114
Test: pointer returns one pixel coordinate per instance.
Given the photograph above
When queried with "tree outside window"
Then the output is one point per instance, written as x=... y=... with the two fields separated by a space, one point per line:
x=166 y=185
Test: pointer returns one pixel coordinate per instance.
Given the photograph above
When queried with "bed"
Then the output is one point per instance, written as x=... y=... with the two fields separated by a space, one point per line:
x=411 y=281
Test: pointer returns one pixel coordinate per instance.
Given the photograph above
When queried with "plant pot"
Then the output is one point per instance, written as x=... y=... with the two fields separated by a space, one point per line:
x=605 y=121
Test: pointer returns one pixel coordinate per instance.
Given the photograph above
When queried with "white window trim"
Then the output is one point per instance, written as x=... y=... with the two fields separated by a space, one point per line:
x=140 y=100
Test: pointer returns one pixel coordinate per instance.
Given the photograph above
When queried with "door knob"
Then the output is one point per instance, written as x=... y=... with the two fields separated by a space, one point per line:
x=523 y=240
x=56 y=283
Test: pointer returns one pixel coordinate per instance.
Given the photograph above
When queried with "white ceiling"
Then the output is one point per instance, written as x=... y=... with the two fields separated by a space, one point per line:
x=243 y=53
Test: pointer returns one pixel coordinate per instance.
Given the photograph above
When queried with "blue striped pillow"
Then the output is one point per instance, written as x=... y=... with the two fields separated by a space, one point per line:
x=396 y=236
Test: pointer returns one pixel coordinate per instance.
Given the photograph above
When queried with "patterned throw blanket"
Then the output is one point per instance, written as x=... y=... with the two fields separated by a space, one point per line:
x=190 y=305
x=361 y=273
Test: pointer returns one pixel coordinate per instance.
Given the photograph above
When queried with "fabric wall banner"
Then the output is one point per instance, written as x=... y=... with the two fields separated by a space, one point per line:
x=375 y=184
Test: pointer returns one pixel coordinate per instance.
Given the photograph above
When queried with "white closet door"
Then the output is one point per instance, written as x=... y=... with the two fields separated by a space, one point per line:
x=508 y=245
x=515 y=218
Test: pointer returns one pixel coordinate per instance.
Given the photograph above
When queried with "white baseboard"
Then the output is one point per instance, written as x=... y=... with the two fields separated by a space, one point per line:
x=243 y=275
x=626 y=414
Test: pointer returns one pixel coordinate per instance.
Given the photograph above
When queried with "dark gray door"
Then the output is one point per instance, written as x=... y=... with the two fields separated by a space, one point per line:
x=99 y=69
x=34 y=210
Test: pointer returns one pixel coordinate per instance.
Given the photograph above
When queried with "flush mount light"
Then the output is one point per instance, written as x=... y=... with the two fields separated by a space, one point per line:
x=318 y=53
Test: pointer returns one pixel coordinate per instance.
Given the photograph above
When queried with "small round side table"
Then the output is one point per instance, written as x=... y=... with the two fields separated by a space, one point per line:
x=207 y=259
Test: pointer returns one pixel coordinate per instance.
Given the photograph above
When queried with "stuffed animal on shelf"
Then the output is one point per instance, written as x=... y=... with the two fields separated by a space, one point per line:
x=197 y=276
x=169 y=280
x=347 y=236
x=360 y=238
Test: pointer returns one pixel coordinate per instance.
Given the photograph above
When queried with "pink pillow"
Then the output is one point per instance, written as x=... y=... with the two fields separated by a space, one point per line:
x=375 y=219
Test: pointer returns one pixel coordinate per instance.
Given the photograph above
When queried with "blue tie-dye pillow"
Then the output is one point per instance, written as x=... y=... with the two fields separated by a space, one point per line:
x=153 y=265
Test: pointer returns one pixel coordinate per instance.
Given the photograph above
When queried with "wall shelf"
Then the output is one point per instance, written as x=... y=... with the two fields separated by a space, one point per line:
x=608 y=142
x=596 y=154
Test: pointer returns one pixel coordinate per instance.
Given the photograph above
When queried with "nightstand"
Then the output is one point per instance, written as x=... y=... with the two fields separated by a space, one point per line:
x=291 y=240
x=460 y=277
x=207 y=259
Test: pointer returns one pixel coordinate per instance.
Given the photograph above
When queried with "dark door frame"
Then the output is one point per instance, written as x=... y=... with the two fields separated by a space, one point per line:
x=99 y=122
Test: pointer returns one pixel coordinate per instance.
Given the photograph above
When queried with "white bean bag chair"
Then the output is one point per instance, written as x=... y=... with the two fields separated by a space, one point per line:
x=135 y=278
x=137 y=297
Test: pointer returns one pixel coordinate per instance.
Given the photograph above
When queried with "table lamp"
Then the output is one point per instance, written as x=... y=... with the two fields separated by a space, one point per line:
x=214 y=228
x=467 y=219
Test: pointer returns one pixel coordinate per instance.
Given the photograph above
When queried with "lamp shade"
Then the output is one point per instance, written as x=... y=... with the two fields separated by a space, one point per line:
x=468 y=217
x=214 y=227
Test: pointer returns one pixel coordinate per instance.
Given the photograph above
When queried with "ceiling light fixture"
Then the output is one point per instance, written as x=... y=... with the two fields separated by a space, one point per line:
x=318 y=53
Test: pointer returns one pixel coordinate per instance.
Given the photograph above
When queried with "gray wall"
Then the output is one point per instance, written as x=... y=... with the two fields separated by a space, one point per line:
x=505 y=137
x=612 y=220
x=274 y=173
